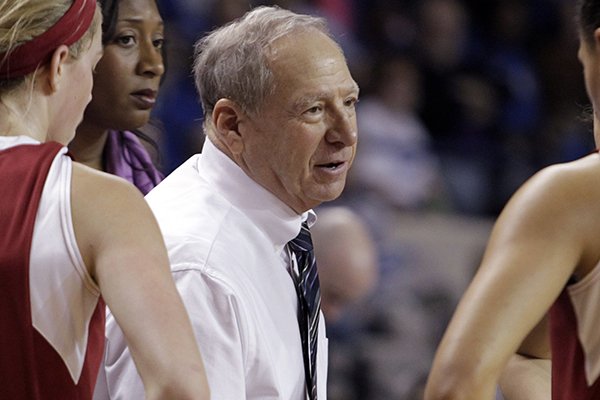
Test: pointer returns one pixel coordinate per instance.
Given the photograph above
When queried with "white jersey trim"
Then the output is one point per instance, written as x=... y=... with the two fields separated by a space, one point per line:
x=585 y=297
x=62 y=293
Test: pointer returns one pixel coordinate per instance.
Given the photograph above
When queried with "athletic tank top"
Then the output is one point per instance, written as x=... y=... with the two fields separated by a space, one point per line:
x=51 y=315
x=575 y=340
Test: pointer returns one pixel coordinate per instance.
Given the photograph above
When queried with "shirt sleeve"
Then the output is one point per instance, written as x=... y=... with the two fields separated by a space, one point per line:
x=218 y=324
x=216 y=319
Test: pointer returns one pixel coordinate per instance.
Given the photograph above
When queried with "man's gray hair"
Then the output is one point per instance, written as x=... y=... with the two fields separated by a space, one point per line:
x=232 y=61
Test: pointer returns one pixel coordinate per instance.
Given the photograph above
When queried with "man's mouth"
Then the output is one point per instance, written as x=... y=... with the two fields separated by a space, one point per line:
x=331 y=166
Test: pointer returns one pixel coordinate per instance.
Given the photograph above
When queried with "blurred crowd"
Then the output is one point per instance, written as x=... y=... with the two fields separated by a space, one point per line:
x=461 y=102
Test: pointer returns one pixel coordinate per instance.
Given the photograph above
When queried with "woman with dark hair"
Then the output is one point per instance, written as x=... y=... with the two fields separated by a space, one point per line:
x=530 y=318
x=126 y=84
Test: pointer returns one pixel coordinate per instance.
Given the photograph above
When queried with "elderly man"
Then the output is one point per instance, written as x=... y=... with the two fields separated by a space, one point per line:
x=279 y=104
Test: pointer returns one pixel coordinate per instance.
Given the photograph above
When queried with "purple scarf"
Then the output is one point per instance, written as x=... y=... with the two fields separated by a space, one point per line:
x=125 y=156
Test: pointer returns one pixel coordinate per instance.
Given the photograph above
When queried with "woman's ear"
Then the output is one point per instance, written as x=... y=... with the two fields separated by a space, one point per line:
x=56 y=67
x=597 y=38
x=226 y=119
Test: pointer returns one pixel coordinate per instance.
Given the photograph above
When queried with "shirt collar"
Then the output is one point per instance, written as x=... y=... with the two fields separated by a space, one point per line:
x=275 y=218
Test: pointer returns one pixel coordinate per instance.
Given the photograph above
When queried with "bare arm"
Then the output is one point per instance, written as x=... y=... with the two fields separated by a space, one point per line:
x=526 y=379
x=534 y=248
x=122 y=246
x=527 y=376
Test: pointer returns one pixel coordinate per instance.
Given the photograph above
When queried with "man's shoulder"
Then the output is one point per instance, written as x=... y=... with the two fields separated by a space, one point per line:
x=185 y=204
x=203 y=229
x=210 y=233
x=217 y=259
x=186 y=178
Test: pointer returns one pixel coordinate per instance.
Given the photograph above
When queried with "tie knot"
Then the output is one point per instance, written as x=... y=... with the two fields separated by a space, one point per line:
x=302 y=242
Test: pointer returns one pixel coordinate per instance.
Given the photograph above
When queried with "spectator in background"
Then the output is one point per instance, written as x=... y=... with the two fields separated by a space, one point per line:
x=178 y=106
x=460 y=104
x=510 y=63
x=396 y=166
x=348 y=261
x=562 y=136
x=348 y=272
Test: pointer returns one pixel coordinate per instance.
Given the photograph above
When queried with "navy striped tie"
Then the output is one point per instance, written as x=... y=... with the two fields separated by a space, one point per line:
x=309 y=304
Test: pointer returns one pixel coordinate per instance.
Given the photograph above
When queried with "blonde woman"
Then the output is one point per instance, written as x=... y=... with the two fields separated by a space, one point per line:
x=72 y=238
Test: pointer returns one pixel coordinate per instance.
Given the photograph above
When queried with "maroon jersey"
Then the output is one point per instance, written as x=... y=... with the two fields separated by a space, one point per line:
x=575 y=341
x=33 y=358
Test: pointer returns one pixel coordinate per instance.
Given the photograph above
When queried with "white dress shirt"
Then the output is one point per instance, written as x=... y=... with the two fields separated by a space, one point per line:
x=226 y=238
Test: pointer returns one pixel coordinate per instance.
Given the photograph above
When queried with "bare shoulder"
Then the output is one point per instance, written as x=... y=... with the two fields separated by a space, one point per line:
x=101 y=188
x=106 y=199
x=573 y=184
x=560 y=201
x=582 y=170
x=106 y=210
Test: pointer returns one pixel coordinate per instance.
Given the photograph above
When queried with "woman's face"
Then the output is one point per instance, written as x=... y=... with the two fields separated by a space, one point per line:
x=589 y=56
x=128 y=75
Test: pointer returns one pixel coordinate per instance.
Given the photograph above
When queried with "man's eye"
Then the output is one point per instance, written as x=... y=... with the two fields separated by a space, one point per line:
x=351 y=102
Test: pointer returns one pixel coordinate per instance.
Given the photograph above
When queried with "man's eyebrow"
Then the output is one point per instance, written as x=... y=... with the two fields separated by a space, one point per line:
x=312 y=97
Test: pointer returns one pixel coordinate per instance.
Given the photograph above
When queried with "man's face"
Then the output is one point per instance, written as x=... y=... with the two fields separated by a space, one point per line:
x=302 y=143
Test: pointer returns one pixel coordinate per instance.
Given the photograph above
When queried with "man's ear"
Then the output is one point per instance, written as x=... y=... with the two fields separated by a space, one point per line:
x=226 y=118
x=56 y=67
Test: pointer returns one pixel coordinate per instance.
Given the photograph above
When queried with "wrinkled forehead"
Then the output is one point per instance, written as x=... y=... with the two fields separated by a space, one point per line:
x=298 y=39
x=306 y=55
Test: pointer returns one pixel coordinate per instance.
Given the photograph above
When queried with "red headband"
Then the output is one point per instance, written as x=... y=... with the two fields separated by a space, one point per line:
x=25 y=58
